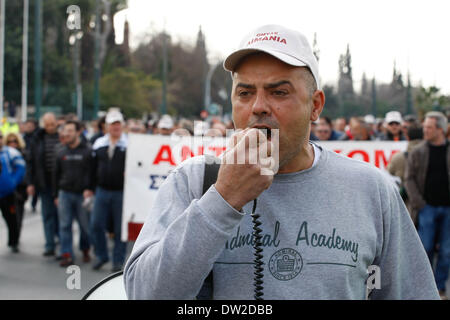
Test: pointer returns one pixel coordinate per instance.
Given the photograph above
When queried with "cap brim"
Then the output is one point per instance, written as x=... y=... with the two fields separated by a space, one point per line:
x=233 y=59
x=114 y=120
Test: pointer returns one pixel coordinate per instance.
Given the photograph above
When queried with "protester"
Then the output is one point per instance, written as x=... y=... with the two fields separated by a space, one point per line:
x=60 y=120
x=100 y=130
x=15 y=141
x=84 y=133
x=340 y=125
x=30 y=128
x=71 y=179
x=315 y=195
x=165 y=125
x=218 y=129
x=40 y=165
x=325 y=131
x=358 y=130
x=185 y=128
x=427 y=181
x=12 y=171
x=393 y=121
x=408 y=121
x=201 y=127
x=107 y=173
x=61 y=137
x=379 y=129
x=9 y=125
x=371 y=121
x=135 y=126
x=151 y=126
x=397 y=165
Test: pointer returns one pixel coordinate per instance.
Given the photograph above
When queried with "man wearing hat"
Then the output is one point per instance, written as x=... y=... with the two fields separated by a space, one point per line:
x=393 y=121
x=326 y=220
x=165 y=125
x=108 y=167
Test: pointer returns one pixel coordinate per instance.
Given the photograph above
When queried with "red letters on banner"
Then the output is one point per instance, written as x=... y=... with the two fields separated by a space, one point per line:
x=380 y=154
x=164 y=154
x=361 y=152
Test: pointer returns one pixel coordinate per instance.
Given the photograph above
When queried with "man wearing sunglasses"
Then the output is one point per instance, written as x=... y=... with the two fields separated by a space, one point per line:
x=393 y=122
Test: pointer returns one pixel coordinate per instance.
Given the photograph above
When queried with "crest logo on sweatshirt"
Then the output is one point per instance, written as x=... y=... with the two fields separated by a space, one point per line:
x=285 y=264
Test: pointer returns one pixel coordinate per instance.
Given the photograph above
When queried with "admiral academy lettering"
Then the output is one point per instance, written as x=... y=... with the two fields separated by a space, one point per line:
x=332 y=241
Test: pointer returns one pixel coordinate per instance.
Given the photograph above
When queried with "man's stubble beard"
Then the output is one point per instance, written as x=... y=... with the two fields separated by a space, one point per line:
x=288 y=151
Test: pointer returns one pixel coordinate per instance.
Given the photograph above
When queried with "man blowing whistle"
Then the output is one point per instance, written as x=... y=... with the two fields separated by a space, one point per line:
x=326 y=219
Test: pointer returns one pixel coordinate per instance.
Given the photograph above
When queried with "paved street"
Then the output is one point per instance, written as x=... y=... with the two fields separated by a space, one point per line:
x=29 y=275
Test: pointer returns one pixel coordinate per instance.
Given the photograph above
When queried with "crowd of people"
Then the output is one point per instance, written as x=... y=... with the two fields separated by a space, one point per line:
x=77 y=170
x=423 y=170
x=393 y=127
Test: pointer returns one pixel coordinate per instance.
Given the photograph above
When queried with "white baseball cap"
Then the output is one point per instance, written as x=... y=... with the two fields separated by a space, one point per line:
x=165 y=122
x=369 y=118
x=287 y=45
x=393 y=116
x=114 y=116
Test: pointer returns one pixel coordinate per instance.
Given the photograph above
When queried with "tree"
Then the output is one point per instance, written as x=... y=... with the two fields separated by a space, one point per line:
x=132 y=92
x=429 y=99
x=221 y=84
x=187 y=70
x=57 y=69
x=331 y=108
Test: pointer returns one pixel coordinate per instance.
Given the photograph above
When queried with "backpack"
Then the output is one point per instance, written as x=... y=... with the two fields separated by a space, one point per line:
x=402 y=190
x=210 y=177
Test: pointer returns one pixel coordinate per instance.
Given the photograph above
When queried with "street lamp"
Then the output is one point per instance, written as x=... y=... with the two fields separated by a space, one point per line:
x=74 y=40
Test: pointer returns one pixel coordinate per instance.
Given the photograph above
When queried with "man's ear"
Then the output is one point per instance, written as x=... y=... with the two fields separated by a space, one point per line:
x=318 y=101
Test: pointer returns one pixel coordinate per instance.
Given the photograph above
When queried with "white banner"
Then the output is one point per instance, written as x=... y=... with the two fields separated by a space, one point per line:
x=150 y=158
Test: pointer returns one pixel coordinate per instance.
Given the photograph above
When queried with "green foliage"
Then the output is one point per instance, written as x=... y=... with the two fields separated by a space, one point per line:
x=136 y=86
x=429 y=99
x=187 y=69
x=57 y=64
x=351 y=109
x=128 y=90
x=382 y=108
x=331 y=108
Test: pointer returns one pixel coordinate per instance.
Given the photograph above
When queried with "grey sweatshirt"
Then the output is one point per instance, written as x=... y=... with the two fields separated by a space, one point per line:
x=322 y=230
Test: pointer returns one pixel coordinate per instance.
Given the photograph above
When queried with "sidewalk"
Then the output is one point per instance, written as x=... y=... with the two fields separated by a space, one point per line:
x=28 y=275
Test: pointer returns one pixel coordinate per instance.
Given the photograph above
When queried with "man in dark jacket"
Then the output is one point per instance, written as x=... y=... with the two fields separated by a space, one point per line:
x=71 y=179
x=101 y=130
x=427 y=182
x=31 y=127
x=108 y=167
x=41 y=160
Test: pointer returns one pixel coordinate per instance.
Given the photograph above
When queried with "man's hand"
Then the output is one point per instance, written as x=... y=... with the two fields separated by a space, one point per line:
x=240 y=179
x=56 y=201
x=31 y=190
